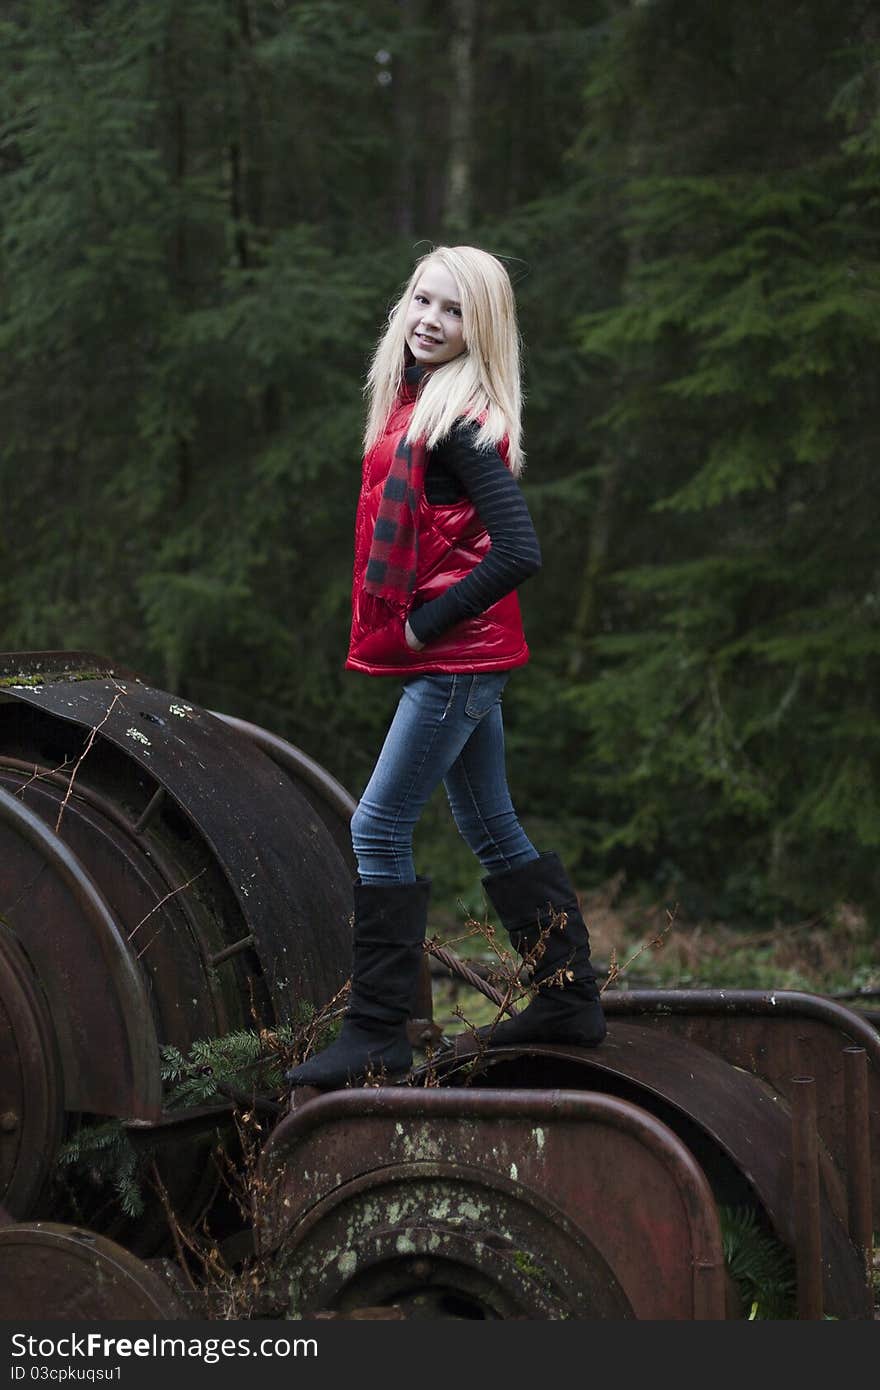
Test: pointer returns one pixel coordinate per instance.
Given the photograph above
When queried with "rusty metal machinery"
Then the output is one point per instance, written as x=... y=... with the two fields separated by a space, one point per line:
x=780 y=1035
x=565 y=1182
x=489 y=1204
x=162 y=880
x=79 y=1275
x=726 y=1071
x=168 y=874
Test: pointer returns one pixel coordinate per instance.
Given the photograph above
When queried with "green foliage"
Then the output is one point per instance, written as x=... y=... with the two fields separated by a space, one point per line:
x=249 y=1061
x=731 y=722
x=207 y=210
x=762 y=1269
x=103 y=1157
x=240 y=1065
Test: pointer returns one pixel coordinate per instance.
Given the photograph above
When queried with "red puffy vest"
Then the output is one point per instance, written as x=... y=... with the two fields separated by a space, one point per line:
x=452 y=542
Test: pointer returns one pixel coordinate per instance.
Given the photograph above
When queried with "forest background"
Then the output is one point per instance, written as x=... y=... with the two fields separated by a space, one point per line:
x=206 y=210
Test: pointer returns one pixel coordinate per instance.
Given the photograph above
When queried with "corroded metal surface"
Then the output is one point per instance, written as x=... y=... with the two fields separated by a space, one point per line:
x=325 y=794
x=173 y=933
x=31 y=1112
x=18 y=668
x=255 y=823
x=806 y=1199
x=564 y=1203
x=161 y=881
x=858 y=1162
x=167 y=874
x=97 y=993
x=50 y=1269
x=776 y=1034
x=737 y=1126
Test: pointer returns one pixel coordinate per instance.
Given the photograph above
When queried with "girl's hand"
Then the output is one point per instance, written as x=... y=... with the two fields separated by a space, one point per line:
x=411 y=640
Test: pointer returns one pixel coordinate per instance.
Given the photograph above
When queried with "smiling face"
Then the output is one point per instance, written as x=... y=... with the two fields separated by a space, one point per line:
x=433 y=325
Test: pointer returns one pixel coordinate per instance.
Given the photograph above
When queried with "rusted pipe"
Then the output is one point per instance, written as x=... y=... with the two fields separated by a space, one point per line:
x=807 y=1229
x=858 y=1162
x=744 y=1002
x=150 y=811
x=235 y=949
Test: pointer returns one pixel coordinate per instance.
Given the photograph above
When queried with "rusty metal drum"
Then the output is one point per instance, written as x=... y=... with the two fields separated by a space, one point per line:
x=162 y=880
x=487 y=1205
x=76 y=1274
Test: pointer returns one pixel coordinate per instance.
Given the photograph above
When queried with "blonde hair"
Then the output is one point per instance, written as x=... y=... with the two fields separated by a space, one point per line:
x=484 y=380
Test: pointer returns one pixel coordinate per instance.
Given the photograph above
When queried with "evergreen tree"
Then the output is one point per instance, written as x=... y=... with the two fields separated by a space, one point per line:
x=731 y=717
x=208 y=208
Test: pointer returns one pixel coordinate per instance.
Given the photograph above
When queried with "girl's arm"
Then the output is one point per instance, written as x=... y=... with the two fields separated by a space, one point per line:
x=515 y=553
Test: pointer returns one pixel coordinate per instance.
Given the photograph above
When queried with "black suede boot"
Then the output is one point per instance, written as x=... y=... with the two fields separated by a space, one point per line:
x=390 y=920
x=537 y=901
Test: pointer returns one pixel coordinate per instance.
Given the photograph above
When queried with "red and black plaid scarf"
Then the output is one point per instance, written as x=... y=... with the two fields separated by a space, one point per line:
x=394 y=551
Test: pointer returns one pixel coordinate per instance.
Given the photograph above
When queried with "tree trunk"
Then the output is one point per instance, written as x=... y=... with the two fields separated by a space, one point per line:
x=405 y=96
x=587 y=607
x=461 y=111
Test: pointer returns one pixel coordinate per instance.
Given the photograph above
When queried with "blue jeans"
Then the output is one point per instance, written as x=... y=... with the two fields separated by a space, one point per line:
x=446 y=728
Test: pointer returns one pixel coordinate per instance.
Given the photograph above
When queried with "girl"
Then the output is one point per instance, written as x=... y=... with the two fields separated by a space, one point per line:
x=442 y=539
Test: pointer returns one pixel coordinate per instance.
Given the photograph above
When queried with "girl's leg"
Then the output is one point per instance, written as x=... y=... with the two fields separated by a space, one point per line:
x=479 y=797
x=531 y=894
x=437 y=716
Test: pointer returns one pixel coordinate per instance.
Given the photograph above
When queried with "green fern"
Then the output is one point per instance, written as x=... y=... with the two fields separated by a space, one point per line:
x=762 y=1269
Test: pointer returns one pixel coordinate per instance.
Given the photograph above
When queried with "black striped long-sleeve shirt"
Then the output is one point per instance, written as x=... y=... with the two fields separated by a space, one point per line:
x=457 y=468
